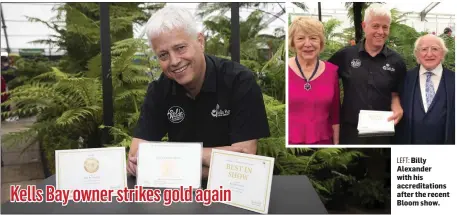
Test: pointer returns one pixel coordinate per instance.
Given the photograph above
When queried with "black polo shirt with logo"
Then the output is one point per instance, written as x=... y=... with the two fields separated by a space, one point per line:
x=228 y=109
x=368 y=82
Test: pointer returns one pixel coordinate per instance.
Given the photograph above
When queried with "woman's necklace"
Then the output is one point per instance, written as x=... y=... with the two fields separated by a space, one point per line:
x=307 y=84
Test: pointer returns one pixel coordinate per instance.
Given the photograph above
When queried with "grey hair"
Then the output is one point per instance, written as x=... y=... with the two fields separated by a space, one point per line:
x=441 y=43
x=167 y=19
x=377 y=10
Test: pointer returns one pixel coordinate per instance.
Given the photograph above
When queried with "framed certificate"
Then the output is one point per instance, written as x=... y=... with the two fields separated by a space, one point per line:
x=247 y=176
x=94 y=168
x=169 y=165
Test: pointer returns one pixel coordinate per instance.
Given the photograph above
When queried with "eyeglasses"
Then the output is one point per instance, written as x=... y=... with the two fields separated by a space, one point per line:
x=433 y=49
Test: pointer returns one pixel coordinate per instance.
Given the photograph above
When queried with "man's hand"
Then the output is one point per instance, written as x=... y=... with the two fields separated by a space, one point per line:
x=248 y=147
x=396 y=109
x=206 y=156
x=133 y=152
x=131 y=166
x=398 y=114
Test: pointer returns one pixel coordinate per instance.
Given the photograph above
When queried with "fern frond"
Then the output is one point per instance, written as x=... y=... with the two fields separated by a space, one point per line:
x=277 y=57
x=55 y=74
x=133 y=119
x=78 y=115
x=136 y=80
x=272 y=146
x=116 y=131
x=84 y=89
x=94 y=66
x=10 y=139
x=135 y=93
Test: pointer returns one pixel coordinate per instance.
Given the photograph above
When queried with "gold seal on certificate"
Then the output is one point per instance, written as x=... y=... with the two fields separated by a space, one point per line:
x=91 y=165
x=95 y=168
x=169 y=165
x=167 y=168
x=248 y=177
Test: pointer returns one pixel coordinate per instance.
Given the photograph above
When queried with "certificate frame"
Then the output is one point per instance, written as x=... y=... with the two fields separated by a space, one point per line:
x=269 y=160
x=173 y=145
x=122 y=162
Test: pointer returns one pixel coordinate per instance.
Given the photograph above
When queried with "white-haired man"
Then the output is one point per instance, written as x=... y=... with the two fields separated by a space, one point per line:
x=428 y=96
x=198 y=98
x=372 y=74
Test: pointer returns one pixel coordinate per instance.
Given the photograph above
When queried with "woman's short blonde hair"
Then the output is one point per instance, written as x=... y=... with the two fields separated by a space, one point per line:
x=309 y=26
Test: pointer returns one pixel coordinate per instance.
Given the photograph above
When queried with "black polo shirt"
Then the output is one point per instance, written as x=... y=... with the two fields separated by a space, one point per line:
x=368 y=81
x=228 y=109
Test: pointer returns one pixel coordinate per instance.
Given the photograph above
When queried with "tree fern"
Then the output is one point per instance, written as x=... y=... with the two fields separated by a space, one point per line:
x=78 y=115
x=70 y=105
x=126 y=94
x=55 y=74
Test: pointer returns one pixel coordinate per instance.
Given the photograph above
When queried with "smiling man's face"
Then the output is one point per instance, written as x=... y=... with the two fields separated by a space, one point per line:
x=180 y=56
x=376 y=30
x=429 y=52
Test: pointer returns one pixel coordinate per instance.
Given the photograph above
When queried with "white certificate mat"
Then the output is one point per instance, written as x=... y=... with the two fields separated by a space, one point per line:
x=169 y=165
x=247 y=176
x=90 y=169
x=375 y=122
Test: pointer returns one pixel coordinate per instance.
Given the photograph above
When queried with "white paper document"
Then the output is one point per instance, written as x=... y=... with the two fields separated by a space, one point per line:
x=169 y=165
x=90 y=169
x=248 y=177
x=375 y=123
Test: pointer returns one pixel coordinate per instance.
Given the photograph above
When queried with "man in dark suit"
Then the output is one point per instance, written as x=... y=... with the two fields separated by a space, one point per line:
x=428 y=97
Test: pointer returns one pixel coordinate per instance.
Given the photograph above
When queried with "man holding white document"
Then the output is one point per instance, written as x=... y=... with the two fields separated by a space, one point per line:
x=197 y=98
x=372 y=75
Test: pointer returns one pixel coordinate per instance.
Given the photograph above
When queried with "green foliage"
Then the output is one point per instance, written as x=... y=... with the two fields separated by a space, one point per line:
x=332 y=43
x=402 y=38
x=370 y=192
x=253 y=45
x=81 y=35
x=26 y=69
x=221 y=8
x=71 y=103
x=272 y=75
x=449 y=62
x=262 y=53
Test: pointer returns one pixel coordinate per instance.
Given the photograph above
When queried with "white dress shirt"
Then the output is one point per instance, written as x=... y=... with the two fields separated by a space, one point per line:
x=436 y=78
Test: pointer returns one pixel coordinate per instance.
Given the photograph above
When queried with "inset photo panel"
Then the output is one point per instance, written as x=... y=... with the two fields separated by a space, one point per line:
x=341 y=180
x=365 y=73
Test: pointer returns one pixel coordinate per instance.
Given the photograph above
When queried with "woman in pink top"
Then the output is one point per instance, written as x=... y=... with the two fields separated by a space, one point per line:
x=314 y=94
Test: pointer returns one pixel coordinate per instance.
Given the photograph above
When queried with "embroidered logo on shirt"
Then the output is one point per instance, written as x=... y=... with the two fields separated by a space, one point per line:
x=387 y=67
x=356 y=63
x=218 y=113
x=176 y=114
